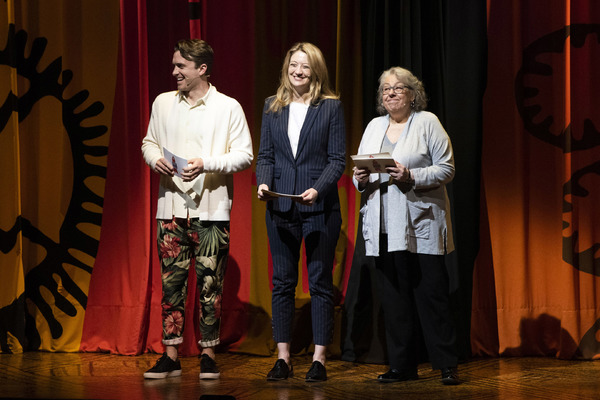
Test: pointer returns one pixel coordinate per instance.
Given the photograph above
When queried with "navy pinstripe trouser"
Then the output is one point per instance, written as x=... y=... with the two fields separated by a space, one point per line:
x=320 y=231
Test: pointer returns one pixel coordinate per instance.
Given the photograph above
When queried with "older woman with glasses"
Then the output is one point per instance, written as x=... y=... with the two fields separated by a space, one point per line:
x=407 y=227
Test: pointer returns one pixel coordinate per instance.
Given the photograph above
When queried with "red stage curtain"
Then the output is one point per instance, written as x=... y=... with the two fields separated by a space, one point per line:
x=126 y=279
x=123 y=312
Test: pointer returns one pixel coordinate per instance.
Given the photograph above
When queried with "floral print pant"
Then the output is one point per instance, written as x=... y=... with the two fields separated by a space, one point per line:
x=182 y=241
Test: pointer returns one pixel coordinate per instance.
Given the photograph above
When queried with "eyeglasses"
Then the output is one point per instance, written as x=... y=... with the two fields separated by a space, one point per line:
x=397 y=89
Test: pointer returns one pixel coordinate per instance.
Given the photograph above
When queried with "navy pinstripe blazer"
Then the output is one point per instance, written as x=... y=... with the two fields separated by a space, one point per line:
x=320 y=159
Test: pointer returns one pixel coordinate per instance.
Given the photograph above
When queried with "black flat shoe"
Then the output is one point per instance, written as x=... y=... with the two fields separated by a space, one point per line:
x=316 y=373
x=450 y=376
x=396 y=375
x=280 y=371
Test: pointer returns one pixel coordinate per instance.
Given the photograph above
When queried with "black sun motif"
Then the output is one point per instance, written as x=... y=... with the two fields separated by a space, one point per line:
x=52 y=81
x=532 y=108
x=576 y=191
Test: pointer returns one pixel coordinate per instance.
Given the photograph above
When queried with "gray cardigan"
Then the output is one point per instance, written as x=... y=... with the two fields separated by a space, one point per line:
x=420 y=214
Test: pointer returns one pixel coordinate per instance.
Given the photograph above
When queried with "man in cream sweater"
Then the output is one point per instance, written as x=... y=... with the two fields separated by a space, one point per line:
x=208 y=132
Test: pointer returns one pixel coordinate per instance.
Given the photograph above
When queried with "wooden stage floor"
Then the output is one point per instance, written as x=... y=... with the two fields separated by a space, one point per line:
x=40 y=375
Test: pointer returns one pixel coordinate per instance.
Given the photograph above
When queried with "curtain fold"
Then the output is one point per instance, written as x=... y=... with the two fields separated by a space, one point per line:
x=121 y=288
x=12 y=300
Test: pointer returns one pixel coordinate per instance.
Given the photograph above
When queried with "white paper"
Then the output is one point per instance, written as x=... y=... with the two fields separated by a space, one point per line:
x=177 y=162
x=374 y=162
x=276 y=194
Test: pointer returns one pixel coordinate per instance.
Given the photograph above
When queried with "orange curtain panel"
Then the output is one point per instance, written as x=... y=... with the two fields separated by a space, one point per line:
x=538 y=274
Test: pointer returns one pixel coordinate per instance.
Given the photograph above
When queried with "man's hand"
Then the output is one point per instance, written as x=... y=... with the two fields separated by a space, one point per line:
x=164 y=167
x=194 y=168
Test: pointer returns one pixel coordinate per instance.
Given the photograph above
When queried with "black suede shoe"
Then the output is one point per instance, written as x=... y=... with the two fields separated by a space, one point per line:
x=316 y=373
x=396 y=375
x=164 y=367
x=450 y=376
x=208 y=368
x=280 y=371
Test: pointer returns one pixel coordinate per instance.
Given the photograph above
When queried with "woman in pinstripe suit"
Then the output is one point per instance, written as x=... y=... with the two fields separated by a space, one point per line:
x=302 y=153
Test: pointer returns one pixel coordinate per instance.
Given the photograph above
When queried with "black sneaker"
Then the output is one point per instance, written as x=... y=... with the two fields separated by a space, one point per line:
x=164 y=367
x=316 y=373
x=208 y=368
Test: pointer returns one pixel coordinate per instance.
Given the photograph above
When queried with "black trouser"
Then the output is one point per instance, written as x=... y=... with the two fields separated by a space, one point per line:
x=414 y=288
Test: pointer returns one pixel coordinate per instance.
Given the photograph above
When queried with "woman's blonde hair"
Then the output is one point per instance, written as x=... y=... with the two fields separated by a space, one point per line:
x=319 y=78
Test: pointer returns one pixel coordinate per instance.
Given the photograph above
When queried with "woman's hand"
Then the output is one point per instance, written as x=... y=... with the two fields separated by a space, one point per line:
x=261 y=195
x=362 y=176
x=309 y=197
x=400 y=173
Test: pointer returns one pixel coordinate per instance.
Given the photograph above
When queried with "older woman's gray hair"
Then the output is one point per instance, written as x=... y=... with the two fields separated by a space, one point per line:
x=408 y=79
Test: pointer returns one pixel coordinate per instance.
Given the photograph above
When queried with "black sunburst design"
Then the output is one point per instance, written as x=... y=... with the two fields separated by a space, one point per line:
x=84 y=207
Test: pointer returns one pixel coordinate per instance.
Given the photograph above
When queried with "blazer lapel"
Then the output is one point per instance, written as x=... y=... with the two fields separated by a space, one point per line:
x=311 y=115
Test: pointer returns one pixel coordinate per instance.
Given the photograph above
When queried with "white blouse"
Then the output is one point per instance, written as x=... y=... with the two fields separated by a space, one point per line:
x=297 y=116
